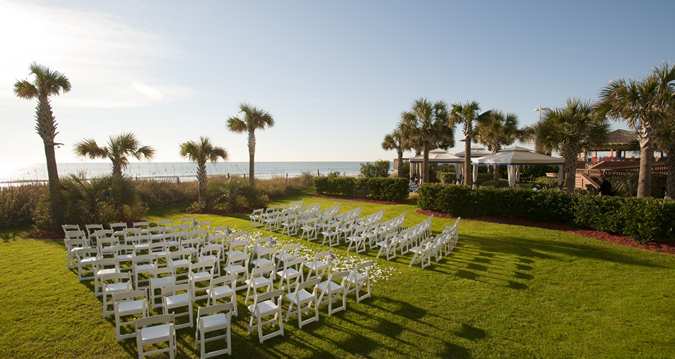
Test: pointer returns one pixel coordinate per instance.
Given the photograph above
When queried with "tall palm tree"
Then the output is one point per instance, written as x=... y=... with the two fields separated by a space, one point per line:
x=467 y=115
x=117 y=150
x=665 y=130
x=396 y=141
x=253 y=118
x=200 y=152
x=640 y=104
x=427 y=127
x=570 y=130
x=496 y=130
x=46 y=83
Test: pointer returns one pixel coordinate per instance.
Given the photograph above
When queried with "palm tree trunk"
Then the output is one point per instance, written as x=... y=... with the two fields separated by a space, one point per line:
x=117 y=170
x=251 y=158
x=468 y=177
x=46 y=128
x=55 y=200
x=425 y=165
x=646 y=160
x=670 y=180
x=399 y=164
x=202 y=180
x=570 y=172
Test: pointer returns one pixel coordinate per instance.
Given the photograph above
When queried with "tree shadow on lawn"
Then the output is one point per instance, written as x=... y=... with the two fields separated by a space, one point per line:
x=531 y=249
x=508 y=261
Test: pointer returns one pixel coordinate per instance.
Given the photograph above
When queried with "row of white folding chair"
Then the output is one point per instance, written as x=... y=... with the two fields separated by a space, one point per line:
x=133 y=304
x=437 y=247
x=267 y=307
x=401 y=242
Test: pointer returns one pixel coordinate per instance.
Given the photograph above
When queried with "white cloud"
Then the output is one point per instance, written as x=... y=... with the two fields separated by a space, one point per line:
x=109 y=63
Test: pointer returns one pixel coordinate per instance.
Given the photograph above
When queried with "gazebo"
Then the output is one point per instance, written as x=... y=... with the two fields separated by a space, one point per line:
x=440 y=156
x=513 y=158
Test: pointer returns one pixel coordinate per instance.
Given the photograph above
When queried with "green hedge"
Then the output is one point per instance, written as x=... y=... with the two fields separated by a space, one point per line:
x=642 y=219
x=378 y=188
x=465 y=202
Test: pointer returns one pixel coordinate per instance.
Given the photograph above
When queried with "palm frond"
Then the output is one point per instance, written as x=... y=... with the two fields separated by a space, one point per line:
x=89 y=148
x=146 y=152
x=25 y=89
x=235 y=124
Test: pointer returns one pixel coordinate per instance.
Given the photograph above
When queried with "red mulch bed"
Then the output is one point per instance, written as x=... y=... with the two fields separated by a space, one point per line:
x=603 y=236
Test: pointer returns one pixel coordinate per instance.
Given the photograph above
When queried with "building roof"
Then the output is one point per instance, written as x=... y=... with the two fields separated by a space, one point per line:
x=439 y=156
x=518 y=156
x=621 y=137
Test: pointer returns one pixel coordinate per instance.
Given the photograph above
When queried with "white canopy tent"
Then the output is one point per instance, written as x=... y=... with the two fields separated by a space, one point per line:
x=435 y=156
x=513 y=158
x=442 y=156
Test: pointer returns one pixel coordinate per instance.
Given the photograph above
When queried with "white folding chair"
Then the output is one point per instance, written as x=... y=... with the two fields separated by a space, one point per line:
x=261 y=278
x=266 y=309
x=112 y=284
x=357 y=280
x=304 y=298
x=180 y=298
x=143 y=266
x=333 y=289
x=213 y=319
x=199 y=277
x=131 y=304
x=162 y=280
x=223 y=288
x=156 y=330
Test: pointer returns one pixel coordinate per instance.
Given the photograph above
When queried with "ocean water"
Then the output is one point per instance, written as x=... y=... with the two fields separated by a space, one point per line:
x=187 y=170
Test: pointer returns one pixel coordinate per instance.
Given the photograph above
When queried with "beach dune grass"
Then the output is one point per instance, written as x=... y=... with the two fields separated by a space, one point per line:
x=507 y=291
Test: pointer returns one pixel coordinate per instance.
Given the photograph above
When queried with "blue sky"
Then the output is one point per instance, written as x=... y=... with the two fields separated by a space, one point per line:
x=335 y=75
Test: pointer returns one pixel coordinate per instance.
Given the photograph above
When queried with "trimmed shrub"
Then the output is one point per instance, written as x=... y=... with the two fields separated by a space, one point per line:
x=157 y=195
x=377 y=188
x=17 y=205
x=642 y=219
x=516 y=203
x=99 y=200
x=335 y=185
x=375 y=169
x=233 y=195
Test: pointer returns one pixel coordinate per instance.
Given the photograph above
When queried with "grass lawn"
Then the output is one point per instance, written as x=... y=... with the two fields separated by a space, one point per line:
x=507 y=291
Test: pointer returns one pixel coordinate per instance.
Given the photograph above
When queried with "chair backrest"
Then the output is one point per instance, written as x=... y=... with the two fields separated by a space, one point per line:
x=154 y=320
x=229 y=280
x=118 y=226
x=70 y=227
x=179 y=289
x=130 y=295
x=261 y=297
x=263 y=270
x=142 y=224
x=144 y=259
x=306 y=285
x=225 y=308
x=115 y=277
x=93 y=228
x=203 y=265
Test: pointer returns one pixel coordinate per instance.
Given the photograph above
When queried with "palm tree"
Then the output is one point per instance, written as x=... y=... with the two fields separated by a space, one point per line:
x=254 y=118
x=46 y=83
x=200 y=152
x=396 y=141
x=665 y=130
x=467 y=114
x=118 y=150
x=570 y=130
x=497 y=130
x=427 y=127
x=641 y=105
